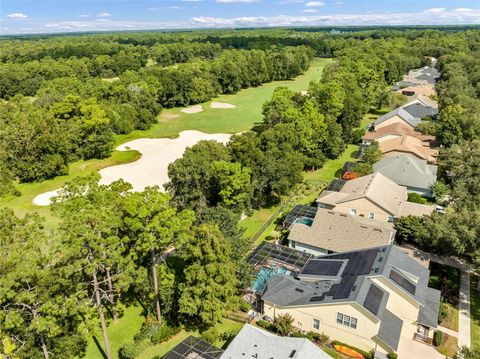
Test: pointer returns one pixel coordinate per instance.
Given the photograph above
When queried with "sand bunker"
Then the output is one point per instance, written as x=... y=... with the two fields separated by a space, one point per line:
x=192 y=109
x=44 y=199
x=221 y=105
x=152 y=168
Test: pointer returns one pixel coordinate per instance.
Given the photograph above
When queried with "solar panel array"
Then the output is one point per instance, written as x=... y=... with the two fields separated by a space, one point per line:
x=336 y=185
x=373 y=299
x=267 y=251
x=299 y=211
x=193 y=347
x=322 y=267
x=402 y=282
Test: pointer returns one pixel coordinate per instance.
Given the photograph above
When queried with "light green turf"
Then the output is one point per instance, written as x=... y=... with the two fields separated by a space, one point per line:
x=118 y=333
x=249 y=104
x=248 y=111
x=23 y=203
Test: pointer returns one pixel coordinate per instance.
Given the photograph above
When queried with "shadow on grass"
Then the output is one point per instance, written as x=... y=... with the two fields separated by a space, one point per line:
x=99 y=347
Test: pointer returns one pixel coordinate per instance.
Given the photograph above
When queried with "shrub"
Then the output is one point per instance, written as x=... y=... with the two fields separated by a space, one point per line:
x=283 y=324
x=211 y=335
x=298 y=335
x=129 y=350
x=416 y=198
x=163 y=333
x=443 y=313
x=244 y=306
x=266 y=325
x=392 y=356
x=437 y=338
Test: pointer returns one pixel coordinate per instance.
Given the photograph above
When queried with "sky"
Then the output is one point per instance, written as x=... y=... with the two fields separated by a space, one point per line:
x=48 y=16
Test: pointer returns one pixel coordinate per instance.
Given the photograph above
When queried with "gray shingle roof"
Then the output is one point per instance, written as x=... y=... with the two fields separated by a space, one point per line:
x=419 y=110
x=400 y=112
x=390 y=329
x=252 y=342
x=407 y=171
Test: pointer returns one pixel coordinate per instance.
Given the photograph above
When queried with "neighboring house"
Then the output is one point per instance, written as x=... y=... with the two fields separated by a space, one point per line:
x=373 y=197
x=332 y=231
x=395 y=130
x=426 y=90
x=415 y=174
x=252 y=342
x=369 y=299
x=410 y=114
x=425 y=75
x=408 y=145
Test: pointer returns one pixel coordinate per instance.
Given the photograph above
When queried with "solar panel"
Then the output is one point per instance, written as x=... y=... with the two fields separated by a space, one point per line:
x=193 y=347
x=373 y=299
x=322 y=267
x=402 y=282
x=299 y=211
x=336 y=185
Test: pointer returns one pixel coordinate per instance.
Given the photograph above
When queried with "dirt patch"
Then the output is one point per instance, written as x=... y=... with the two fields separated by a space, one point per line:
x=192 y=109
x=169 y=116
x=221 y=105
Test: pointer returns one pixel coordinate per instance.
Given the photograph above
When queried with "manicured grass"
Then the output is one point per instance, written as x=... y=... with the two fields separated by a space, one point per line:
x=249 y=104
x=161 y=349
x=475 y=312
x=22 y=204
x=451 y=320
x=253 y=223
x=448 y=346
x=118 y=333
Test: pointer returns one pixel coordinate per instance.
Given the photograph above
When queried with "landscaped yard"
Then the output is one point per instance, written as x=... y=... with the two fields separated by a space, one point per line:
x=314 y=179
x=475 y=312
x=448 y=346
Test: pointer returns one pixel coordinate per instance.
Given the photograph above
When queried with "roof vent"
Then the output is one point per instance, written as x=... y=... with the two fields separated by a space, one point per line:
x=292 y=354
x=299 y=290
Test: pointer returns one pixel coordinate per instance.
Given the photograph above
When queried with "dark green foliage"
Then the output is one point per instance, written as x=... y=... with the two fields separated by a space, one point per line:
x=437 y=338
x=416 y=198
x=164 y=333
x=467 y=353
x=392 y=356
x=266 y=325
x=443 y=312
x=211 y=335
x=372 y=153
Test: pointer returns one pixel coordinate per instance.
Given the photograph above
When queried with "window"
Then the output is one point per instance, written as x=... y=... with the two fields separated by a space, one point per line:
x=353 y=211
x=347 y=320
x=371 y=215
x=390 y=219
x=316 y=324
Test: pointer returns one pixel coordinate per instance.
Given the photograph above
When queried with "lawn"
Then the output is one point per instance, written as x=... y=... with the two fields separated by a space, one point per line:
x=448 y=346
x=313 y=179
x=22 y=204
x=451 y=320
x=118 y=333
x=475 y=312
x=249 y=104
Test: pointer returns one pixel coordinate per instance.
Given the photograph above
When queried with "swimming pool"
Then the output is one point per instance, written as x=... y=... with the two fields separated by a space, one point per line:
x=264 y=274
x=304 y=220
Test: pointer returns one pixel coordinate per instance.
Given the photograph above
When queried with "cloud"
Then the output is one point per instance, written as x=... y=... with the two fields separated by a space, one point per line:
x=315 y=3
x=84 y=15
x=435 y=10
x=463 y=9
x=175 y=7
x=339 y=3
x=17 y=15
x=310 y=10
x=103 y=14
x=236 y=1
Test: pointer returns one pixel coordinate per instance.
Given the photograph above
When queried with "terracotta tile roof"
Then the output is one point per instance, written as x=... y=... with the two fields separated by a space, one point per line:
x=409 y=144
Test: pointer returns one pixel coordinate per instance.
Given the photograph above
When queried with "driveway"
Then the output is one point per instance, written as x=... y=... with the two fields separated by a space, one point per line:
x=411 y=349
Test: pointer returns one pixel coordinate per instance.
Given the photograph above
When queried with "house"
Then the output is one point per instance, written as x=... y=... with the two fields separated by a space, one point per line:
x=415 y=174
x=426 y=90
x=395 y=130
x=410 y=114
x=424 y=76
x=332 y=231
x=373 y=197
x=371 y=299
x=410 y=146
x=253 y=342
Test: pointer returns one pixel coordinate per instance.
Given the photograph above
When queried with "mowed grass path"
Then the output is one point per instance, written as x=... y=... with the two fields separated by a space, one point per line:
x=248 y=109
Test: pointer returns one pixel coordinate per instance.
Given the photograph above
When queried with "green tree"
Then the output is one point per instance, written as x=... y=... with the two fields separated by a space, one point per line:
x=372 y=153
x=210 y=283
x=232 y=184
x=154 y=225
x=283 y=324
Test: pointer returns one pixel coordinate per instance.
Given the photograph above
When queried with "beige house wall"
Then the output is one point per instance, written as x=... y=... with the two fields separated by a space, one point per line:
x=363 y=207
x=361 y=337
x=390 y=121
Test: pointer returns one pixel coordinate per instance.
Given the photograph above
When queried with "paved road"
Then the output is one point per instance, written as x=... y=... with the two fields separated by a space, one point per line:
x=464 y=297
x=464 y=311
